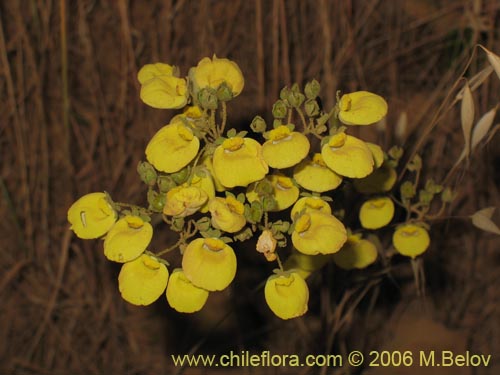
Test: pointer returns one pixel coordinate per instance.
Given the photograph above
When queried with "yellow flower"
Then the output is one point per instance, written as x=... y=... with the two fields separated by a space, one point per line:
x=285 y=148
x=227 y=214
x=377 y=153
x=203 y=179
x=348 y=156
x=356 y=253
x=213 y=72
x=128 y=239
x=305 y=264
x=238 y=162
x=287 y=295
x=209 y=263
x=376 y=213
x=172 y=147
x=184 y=200
x=160 y=88
x=310 y=204
x=207 y=162
x=318 y=233
x=91 y=216
x=314 y=175
x=284 y=192
x=143 y=280
x=361 y=108
x=411 y=240
x=381 y=180
x=182 y=295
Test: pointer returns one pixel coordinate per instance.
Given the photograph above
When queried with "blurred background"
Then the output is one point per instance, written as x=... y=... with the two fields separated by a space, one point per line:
x=71 y=122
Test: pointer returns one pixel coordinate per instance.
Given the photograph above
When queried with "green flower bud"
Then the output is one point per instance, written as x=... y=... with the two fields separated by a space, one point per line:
x=432 y=187
x=224 y=92
x=165 y=183
x=181 y=176
x=208 y=98
x=407 y=190
x=312 y=108
x=203 y=224
x=279 y=109
x=264 y=187
x=156 y=201
x=425 y=197
x=147 y=173
x=395 y=152
x=269 y=203
x=296 y=99
x=258 y=125
x=415 y=164
x=284 y=93
x=447 y=195
x=312 y=89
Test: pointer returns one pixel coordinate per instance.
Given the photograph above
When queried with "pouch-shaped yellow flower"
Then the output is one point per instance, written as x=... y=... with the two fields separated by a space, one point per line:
x=182 y=295
x=314 y=175
x=377 y=153
x=356 y=253
x=209 y=263
x=213 y=72
x=361 y=108
x=161 y=88
x=128 y=239
x=207 y=162
x=285 y=148
x=172 y=148
x=381 y=180
x=348 y=156
x=227 y=214
x=305 y=264
x=203 y=179
x=238 y=162
x=376 y=213
x=284 y=191
x=91 y=216
x=143 y=280
x=411 y=240
x=287 y=295
x=310 y=204
x=318 y=233
x=184 y=200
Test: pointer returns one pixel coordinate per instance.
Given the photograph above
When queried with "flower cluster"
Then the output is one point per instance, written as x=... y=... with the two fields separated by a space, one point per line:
x=283 y=184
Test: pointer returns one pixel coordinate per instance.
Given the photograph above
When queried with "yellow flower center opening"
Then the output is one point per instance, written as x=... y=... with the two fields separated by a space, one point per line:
x=233 y=144
x=235 y=205
x=410 y=232
x=280 y=133
x=303 y=223
x=284 y=183
x=134 y=222
x=345 y=103
x=213 y=244
x=193 y=112
x=184 y=133
x=378 y=203
x=338 y=140
x=315 y=204
x=150 y=263
x=283 y=281
x=318 y=159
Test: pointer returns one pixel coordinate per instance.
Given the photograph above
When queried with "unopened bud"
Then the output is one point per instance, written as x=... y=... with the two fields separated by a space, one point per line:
x=312 y=108
x=147 y=173
x=312 y=89
x=258 y=125
x=224 y=92
x=279 y=109
x=208 y=98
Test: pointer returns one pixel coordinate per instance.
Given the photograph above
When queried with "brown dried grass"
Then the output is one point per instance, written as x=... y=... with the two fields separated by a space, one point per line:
x=71 y=122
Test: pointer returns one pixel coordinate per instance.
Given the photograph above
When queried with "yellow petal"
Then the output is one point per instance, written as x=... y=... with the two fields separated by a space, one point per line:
x=150 y=71
x=318 y=233
x=165 y=92
x=227 y=214
x=377 y=153
x=143 y=280
x=182 y=295
x=202 y=179
x=315 y=176
x=172 y=148
x=91 y=216
x=287 y=295
x=213 y=72
x=350 y=158
x=376 y=213
x=362 y=108
x=184 y=200
x=285 y=192
x=209 y=263
x=381 y=180
x=284 y=148
x=356 y=253
x=128 y=239
x=411 y=240
x=238 y=162
x=310 y=204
